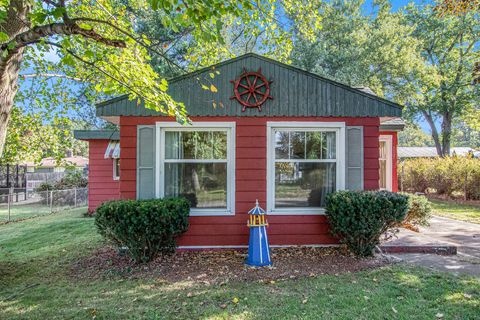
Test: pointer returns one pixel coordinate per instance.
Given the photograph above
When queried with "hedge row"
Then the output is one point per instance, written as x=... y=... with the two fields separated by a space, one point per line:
x=443 y=176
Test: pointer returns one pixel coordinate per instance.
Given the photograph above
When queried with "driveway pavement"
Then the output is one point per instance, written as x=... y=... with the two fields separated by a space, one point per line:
x=444 y=231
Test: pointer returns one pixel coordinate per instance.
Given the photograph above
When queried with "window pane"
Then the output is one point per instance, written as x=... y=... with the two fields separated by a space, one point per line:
x=383 y=150
x=383 y=174
x=219 y=141
x=303 y=184
x=329 y=145
x=203 y=184
x=282 y=143
x=195 y=145
x=297 y=149
x=314 y=145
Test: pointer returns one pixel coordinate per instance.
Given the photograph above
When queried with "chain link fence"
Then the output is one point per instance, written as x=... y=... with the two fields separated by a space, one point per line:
x=21 y=205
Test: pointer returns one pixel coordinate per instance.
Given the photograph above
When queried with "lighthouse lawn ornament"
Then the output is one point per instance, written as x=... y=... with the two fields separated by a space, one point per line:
x=258 y=249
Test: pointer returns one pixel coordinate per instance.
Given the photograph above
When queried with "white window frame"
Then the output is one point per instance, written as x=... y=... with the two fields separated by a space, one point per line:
x=229 y=128
x=337 y=127
x=388 y=139
x=116 y=175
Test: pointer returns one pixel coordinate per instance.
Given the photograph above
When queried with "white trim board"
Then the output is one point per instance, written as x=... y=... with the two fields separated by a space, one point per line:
x=229 y=127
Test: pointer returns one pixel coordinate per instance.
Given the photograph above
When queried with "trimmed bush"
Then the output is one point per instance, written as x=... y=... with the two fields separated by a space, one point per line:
x=146 y=227
x=419 y=211
x=359 y=218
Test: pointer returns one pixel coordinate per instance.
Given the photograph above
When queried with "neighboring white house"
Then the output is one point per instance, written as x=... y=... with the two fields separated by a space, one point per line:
x=431 y=152
x=51 y=170
x=51 y=164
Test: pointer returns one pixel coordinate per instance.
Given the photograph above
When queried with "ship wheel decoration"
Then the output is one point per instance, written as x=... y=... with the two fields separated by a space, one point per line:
x=251 y=89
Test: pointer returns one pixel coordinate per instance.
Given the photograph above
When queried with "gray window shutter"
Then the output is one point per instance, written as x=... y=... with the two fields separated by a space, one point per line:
x=354 y=154
x=145 y=162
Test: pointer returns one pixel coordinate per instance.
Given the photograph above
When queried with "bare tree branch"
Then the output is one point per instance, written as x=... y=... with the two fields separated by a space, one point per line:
x=48 y=75
x=35 y=34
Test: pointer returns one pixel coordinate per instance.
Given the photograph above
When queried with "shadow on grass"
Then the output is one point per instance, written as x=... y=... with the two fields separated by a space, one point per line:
x=392 y=292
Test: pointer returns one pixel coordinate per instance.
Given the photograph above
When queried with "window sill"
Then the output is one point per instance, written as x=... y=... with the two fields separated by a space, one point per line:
x=210 y=213
x=296 y=212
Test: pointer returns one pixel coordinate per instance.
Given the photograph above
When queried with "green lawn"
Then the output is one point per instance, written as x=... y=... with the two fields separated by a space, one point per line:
x=464 y=212
x=36 y=255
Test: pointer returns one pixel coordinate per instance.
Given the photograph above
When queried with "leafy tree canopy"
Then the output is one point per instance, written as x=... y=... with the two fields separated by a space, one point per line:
x=106 y=48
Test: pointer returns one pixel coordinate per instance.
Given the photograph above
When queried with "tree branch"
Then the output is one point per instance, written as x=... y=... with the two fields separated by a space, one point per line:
x=108 y=75
x=137 y=40
x=48 y=75
x=35 y=34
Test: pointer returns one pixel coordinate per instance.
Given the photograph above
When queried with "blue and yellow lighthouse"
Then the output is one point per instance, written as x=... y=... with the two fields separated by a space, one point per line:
x=258 y=248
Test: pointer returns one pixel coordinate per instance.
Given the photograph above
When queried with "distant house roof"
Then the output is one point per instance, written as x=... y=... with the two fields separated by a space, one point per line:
x=392 y=124
x=429 y=152
x=50 y=162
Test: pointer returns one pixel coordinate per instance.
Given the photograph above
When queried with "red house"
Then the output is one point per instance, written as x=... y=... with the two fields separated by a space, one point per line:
x=271 y=132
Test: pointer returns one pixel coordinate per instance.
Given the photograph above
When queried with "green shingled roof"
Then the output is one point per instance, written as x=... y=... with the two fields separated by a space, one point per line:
x=96 y=134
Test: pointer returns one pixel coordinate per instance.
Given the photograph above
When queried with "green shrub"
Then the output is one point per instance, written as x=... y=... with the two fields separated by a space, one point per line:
x=419 y=211
x=359 y=218
x=444 y=176
x=73 y=179
x=45 y=186
x=146 y=227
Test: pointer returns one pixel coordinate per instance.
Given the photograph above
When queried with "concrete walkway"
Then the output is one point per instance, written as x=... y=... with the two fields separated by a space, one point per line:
x=444 y=231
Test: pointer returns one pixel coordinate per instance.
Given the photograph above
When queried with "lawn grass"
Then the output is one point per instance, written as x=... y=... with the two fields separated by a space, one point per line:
x=36 y=283
x=21 y=211
x=453 y=210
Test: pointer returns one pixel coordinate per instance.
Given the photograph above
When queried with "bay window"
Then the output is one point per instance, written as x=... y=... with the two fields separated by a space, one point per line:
x=196 y=162
x=305 y=164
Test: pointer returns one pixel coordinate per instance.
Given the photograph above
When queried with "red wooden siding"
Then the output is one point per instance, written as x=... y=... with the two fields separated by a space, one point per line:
x=394 y=158
x=101 y=186
x=250 y=183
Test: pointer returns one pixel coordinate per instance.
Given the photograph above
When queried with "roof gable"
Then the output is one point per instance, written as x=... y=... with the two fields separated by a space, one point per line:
x=295 y=92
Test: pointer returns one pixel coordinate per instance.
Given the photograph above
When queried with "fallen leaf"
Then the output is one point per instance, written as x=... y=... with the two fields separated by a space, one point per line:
x=223 y=306
x=235 y=300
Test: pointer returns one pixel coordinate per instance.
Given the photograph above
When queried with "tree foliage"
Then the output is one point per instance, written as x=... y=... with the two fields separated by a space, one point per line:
x=415 y=56
x=31 y=139
x=107 y=46
x=414 y=136
x=98 y=43
x=450 y=44
x=375 y=51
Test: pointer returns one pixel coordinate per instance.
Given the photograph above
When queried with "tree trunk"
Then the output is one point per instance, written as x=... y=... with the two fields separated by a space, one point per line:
x=435 y=136
x=446 y=133
x=15 y=23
